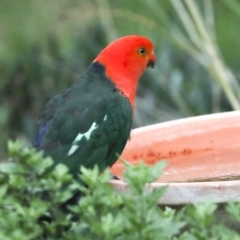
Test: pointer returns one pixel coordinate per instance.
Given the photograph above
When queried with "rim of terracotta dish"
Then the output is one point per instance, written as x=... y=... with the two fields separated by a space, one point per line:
x=186 y=120
x=191 y=192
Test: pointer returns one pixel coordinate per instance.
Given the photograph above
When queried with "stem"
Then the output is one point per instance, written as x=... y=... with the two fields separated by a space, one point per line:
x=106 y=19
x=216 y=66
x=187 y=23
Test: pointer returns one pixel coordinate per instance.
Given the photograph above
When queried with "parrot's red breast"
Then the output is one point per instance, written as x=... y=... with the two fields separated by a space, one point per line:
x=125 y=59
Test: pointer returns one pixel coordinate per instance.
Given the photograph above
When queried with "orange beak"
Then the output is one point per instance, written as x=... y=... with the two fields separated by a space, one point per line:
x=151 y=61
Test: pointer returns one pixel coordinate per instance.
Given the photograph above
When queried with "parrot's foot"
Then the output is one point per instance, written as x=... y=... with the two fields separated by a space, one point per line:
x=115 y=177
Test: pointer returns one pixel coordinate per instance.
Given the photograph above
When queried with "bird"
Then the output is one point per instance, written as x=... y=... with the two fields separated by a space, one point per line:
x=89 y=123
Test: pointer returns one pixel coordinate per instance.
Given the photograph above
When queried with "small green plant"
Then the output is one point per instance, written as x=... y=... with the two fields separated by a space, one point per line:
x=31 y=197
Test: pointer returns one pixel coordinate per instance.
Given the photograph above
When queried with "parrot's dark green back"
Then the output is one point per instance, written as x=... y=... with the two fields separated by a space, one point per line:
x=87 y=124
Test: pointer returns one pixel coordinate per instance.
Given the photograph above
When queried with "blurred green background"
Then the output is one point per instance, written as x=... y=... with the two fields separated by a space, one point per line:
x=46 y=45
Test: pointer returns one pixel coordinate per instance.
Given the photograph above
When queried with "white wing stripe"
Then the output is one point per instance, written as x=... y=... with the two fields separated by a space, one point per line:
x=87 y=135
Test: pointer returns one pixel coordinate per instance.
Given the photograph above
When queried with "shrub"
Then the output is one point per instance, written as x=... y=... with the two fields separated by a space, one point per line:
x=30 y=193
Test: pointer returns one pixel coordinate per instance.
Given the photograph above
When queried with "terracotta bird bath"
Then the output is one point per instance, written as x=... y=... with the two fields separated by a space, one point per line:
x=203 y=155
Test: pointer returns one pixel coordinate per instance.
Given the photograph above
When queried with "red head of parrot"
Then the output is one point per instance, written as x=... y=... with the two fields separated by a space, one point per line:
x=125 y=59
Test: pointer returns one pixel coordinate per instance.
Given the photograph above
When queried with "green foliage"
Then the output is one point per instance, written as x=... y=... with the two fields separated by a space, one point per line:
x=30 y=194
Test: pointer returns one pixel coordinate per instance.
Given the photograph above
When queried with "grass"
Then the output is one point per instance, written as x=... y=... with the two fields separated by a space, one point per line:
x=194 y=74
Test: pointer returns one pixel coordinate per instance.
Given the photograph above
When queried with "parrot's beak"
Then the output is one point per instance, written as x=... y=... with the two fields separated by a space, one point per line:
x=151 y=61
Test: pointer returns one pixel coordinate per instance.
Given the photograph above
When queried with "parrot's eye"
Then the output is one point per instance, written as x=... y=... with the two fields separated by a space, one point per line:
x=142 y=51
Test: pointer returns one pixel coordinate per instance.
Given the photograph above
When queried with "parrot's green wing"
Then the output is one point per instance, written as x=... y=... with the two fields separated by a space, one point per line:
x=88 y=124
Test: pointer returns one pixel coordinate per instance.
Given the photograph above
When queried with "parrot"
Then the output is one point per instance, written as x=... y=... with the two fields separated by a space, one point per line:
x=89 y=123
